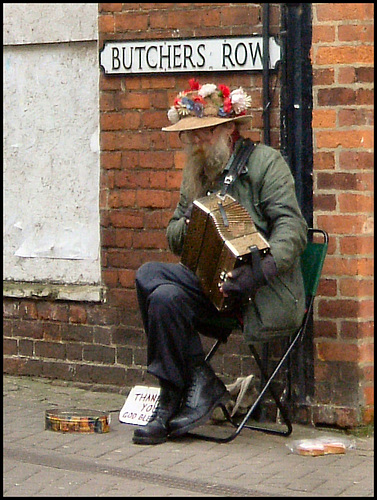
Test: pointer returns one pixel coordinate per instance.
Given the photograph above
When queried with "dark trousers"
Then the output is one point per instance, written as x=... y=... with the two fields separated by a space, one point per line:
x=172 y=307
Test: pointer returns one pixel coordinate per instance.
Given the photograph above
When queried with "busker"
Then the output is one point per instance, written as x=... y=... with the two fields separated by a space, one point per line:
x=172 y=303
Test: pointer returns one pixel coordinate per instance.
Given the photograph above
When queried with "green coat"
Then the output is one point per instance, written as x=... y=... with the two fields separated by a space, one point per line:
x=267 y=191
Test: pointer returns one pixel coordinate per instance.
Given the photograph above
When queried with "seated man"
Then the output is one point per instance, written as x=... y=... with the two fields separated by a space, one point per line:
x=172 y=303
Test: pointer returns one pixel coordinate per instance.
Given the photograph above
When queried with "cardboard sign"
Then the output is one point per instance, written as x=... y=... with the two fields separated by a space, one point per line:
x=139 y=405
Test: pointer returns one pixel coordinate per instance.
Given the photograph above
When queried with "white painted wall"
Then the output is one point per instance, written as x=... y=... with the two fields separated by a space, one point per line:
x=51 y=144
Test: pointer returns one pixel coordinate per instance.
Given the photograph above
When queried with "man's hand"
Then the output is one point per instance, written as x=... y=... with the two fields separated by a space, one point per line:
x=243 y=282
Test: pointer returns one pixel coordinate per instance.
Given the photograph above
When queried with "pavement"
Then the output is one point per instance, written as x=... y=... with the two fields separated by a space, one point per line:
x=39 y=462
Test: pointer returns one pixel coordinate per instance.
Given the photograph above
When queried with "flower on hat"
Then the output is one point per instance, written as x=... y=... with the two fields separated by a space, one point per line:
x=194 y=85
x=225 y=91
x=173 y=115
x=240 y=100
x=209 y=100
x=207 y=89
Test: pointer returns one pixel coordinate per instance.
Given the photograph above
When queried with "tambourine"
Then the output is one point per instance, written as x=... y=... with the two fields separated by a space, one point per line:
x=72 y=420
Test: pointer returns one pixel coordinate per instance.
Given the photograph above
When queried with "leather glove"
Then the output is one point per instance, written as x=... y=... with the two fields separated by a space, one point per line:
x=187 y=214
x=243 y=282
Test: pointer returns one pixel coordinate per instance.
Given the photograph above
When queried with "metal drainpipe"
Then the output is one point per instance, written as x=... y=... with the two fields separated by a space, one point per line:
x=266 y=70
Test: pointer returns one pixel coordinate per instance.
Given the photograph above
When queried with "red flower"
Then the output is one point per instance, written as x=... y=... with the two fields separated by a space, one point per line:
x=227 y=107
x=224 y=90
x=198 y=98
x=194 y=85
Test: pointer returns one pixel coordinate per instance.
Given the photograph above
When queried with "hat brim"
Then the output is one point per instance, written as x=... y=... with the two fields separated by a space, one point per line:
x=192 y=122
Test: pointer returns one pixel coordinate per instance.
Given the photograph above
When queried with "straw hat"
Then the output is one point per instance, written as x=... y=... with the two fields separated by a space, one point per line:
x=207 y=105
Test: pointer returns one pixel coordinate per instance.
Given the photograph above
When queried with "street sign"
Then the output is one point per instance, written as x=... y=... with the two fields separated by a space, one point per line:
x=190 y=55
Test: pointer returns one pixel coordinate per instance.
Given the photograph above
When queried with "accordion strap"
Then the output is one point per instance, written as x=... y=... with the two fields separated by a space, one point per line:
x=237 y=163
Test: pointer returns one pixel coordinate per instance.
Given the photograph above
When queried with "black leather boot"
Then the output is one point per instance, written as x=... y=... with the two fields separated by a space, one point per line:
x=205 y=392
x=156 y=430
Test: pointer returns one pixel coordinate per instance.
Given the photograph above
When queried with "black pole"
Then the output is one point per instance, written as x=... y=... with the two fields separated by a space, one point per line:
x=297 y=148
x=266 y=73
x=297 y=101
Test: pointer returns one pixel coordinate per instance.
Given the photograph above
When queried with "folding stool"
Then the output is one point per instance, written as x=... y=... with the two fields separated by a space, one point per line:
x=312 y=261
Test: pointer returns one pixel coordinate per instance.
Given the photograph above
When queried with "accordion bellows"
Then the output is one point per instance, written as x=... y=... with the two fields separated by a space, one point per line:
x=218 y=240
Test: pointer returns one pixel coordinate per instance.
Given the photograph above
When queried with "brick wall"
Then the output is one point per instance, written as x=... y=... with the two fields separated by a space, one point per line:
x=141 y=168
x=342 y=56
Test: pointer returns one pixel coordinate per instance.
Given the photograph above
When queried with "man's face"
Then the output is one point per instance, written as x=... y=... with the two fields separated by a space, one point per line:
x=208 y=150
x=200 y=137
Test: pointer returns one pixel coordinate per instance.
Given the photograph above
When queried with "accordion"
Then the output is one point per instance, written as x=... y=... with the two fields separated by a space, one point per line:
x=218 y=240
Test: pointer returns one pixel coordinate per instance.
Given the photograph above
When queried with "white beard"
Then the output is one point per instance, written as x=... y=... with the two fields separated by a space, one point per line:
x=204 y=165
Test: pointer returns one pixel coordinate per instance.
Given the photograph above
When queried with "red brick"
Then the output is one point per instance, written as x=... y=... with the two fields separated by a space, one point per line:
x=153 y=119
x=369 y=395
x=332 y=351
x=350 y=202
x=324 y=118
x=242 y=15
x=357 y=245
x=110 y=277
x=122 y=198
x=110 y=7
x=336 y=96
x=323 y=34
x=49 y=349
x=325 y=329
x=155 y=239
x=122 y=218
x=133 y=100
x=52 y=311
x=107 y=101
x=173 y=180
x=345 y=181
x=130 y=160
x=111 y=160
x=355 y=117
x=77 y=314
x=106 y=24
x=338 y=308
x=356 y=288
x=123 y=238
x=210 y=18
x=155 y=220
x=365 y=97
x=364 y=74
x=156 y=160
x=344 y=11
x=362 y=54
x=153 y=199
x=323 y=76
x=10 y=347
x=157 y=180
x=120 y=121
x=127 y=278
x=131 y=22
x=163 y=82
x=359 y=32
x=327 y=288
x=28 y=309
x=356 y=329
x=342 y=224
x=352 y=160
x=324 y=202
x=324 y=161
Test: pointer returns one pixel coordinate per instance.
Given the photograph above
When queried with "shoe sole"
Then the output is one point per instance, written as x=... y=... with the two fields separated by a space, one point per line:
x=184 y=430
x=148 y=440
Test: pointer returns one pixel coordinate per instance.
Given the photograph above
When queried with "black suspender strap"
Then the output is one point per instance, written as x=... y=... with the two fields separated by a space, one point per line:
x=237 y=163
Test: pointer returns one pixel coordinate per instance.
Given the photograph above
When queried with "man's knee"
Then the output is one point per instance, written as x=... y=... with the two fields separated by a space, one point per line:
x=166 y=298
x=145 y=273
